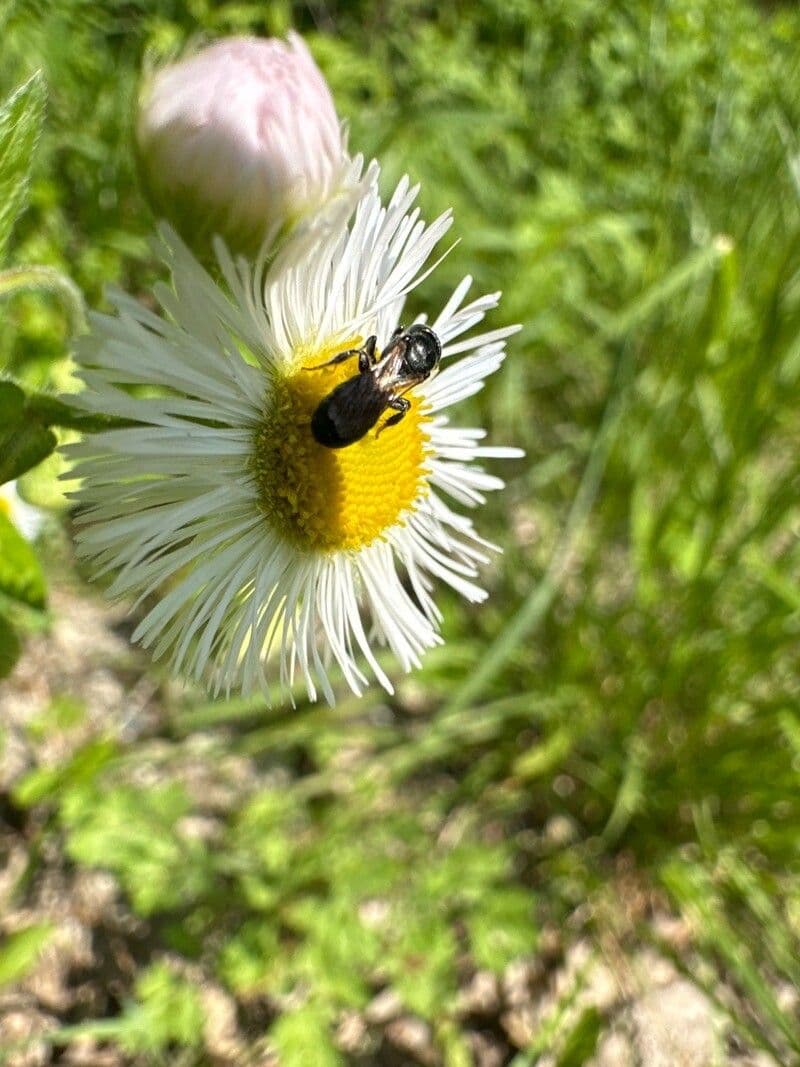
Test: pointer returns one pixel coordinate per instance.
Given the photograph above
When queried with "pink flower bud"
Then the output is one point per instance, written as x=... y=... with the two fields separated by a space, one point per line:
x=241 y=139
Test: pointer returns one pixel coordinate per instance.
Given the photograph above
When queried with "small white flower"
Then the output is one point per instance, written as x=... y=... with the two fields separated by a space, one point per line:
x=27 y=519
x=241 y=139
x=260 y=540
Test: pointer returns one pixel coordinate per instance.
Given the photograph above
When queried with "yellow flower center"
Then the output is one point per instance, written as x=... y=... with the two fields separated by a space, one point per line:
x=5 y=507
x=326 y=499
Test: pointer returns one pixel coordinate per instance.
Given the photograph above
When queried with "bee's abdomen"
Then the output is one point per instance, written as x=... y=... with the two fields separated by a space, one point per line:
x=348 y=413
x=326 y=431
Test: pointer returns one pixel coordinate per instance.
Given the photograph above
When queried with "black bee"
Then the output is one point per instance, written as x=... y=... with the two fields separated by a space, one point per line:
x=350 y=410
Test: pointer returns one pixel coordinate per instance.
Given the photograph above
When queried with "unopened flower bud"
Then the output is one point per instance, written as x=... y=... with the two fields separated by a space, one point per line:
x=242 y=140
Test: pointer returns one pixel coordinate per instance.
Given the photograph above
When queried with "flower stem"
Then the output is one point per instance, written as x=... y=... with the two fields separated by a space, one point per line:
x=20 y=279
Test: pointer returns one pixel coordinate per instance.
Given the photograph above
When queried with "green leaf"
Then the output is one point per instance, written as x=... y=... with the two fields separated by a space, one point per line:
x=304 y=1037
x=20 y=572
x=20 y=125
x=63 y=714
x=9 y=647
x=53 y=411
x=169 y=1012
x=25 y=437
x=582 y=1041
x=20 y=951
x=12 y=405
x=501 y=928
x=250 y=958
x=338 y=951
x=135 y=833
x=423 y=964
x=46 y=782
x=24 y=448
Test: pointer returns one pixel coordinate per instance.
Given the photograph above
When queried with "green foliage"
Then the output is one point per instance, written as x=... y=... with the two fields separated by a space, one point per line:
x=627 y=172
x=21 y=118
x=24 y=447
x=48 y=782
x=742 y=924
x=9 y=647
x=20 y=951
x=25 y=435
x=330 y=901
x=20 y=573
x=581 y=1042
x=57 y=719
x=500 y=927
x=20 y=127
x=319 y=885
x=135 y=834
x=21 y=446
x=12 y=404
x=304 y=1037
x=167 y=1012
x=25 y=439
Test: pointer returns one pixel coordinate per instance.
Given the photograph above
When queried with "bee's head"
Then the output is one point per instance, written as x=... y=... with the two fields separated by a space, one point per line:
x=423 y=350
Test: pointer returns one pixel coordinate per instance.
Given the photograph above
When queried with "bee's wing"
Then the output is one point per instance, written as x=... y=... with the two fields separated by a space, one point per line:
x=388 y=372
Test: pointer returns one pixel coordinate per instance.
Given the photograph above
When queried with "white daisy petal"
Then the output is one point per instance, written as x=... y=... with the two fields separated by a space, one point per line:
x=481 y=341
x=261 y=554
x=463 y=379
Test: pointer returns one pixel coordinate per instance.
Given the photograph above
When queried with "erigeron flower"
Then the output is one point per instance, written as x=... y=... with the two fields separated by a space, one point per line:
x=241 y=139
x=265 y=546
x=27 y=519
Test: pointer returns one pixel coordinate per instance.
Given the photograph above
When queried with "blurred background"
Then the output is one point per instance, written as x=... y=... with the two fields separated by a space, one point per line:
x=573 y=837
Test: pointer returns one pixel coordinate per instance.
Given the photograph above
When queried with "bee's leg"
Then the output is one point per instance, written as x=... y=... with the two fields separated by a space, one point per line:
x=341 y=358
x=366 y=355
x=401 y=406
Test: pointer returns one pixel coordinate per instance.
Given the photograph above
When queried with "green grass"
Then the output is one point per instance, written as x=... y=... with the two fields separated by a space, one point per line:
x=627 y=174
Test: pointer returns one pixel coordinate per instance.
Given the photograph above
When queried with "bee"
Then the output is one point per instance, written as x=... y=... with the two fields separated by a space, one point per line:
x=350 y=410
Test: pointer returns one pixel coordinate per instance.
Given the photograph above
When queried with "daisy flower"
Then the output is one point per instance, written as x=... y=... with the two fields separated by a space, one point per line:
x=275 y=556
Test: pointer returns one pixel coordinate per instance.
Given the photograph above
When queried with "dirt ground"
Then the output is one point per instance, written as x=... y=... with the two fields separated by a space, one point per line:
x=655 y=1015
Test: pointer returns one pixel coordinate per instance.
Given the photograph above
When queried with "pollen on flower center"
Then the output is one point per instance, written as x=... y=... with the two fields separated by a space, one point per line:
x=327 y=499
